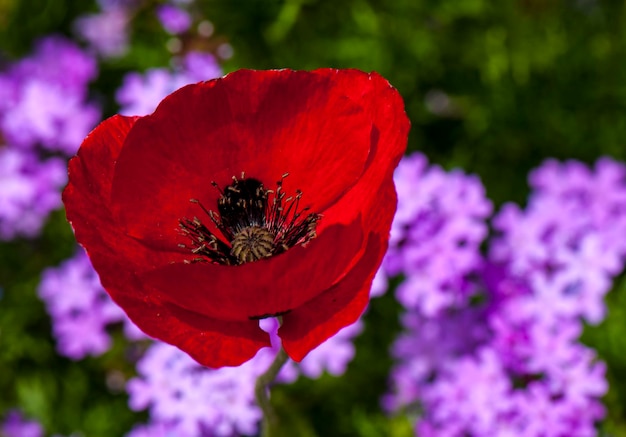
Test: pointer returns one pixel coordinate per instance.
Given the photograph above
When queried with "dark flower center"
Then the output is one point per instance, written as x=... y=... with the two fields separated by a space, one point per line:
x=254 y=223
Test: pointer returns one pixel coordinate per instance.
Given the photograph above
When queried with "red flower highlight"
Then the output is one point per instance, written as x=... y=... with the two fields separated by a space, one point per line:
x=263 y=193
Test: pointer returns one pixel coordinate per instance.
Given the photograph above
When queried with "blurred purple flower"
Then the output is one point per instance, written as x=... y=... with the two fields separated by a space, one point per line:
x=185 y=398
x=57 y=60
x=426 y=344
x=475 y=394
x=438 y=213
x=157 y=429
x=516 y=367
x=568 y=235
x=29 y=191
x=193 y=400
x=141 y=93
x=80 y=308
x=44 y=98
x=199 y=66
x=15 y=425
x=43 y=104
x=469 y=395
x=48 y=115
x=173 y=19
x=106 y=32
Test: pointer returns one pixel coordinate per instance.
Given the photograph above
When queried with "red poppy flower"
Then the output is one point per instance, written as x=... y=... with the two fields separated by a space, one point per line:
x=263 y=193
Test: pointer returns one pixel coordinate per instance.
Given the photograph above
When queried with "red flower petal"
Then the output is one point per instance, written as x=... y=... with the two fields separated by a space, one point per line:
x=383 y=104
x=310 y=325
x=211 y=342
x=307 y=327
x=118 y=259
x=265 y=123
x=266 y=287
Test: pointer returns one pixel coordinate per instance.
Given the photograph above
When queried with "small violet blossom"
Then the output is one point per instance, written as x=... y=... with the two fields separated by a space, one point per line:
x=15 y=425
x=44 y=98
x=80 y=309
x=106 y=32
x=192 y=400
x=141 y=93
x=29 y=191
x=438 y=213
x=44 y=111
x=174 y=19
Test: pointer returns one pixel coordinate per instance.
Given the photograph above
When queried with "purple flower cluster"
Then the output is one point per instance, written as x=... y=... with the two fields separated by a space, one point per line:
x=509 y=363
x=141 y=93
x=187 y=399
x=568 y=243
x=80 y=309
x=29 y=190
x=174 y=19
x=106 y=32
x=43 y=99
x=43 y=112
x=15 y=425
x=450 y=209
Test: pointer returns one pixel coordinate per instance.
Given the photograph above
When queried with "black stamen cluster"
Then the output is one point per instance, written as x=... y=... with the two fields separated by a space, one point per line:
x=254 y=223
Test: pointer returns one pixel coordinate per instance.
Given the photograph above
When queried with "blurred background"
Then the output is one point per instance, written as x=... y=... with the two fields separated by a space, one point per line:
x=492 y=88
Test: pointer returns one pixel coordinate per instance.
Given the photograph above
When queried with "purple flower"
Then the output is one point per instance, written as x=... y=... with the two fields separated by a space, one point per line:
x=106 y=32
x=510 y=363
x=185 y=398
x=29 y=191
x=156 y=429
x=80 y=309
x=475 y=394
x=15 y=425
x=174 y=19
x=48 y=115
x=425 y=345
x=438 y=213
x=567 y=237
x=470 y=395
x=199 y=66
x=44 y=98
x=58 y=60
x=140 y=94
x=193 y=400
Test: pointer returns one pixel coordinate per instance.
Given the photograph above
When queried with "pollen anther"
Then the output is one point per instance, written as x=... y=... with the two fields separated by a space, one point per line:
x=251 y=226
x=252 y=243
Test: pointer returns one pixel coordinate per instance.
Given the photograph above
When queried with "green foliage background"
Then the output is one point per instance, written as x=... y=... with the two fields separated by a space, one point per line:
x=525 y=79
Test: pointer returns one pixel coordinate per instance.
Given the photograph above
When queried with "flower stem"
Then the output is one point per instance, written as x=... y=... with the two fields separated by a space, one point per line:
x=261 y=391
